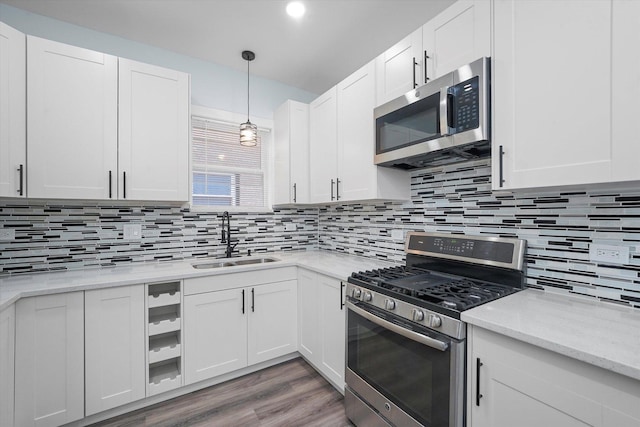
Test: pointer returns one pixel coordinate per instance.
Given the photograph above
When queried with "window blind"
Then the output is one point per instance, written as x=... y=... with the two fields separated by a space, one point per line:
x=226 y=173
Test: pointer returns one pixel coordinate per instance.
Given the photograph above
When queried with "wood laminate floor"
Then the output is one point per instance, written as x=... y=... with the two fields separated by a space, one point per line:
x=289 y=394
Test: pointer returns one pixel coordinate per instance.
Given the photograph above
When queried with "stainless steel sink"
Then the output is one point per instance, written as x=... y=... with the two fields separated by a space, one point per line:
x=220 y=264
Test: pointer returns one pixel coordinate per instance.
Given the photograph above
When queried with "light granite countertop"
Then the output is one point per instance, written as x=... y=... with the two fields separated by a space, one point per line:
x=599 y=333
x=12 y=288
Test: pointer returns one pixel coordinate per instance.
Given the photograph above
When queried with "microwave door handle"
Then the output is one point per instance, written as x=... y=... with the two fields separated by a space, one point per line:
x=413 y=336
x=444 y=111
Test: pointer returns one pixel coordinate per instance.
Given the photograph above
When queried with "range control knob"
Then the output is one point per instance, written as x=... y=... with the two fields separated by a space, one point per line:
x=390 y=304
x=435 y=321
x=356 y=293
x=367 y=296
x=418 y=315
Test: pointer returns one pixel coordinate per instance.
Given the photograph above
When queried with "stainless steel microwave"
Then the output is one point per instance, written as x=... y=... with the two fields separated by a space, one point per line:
x=445 y=121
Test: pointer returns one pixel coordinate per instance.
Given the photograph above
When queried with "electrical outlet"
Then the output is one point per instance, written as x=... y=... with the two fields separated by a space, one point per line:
x=397 y=234
x=132 y=231
x=7 y=234
x=609 y=254
x=290 y=227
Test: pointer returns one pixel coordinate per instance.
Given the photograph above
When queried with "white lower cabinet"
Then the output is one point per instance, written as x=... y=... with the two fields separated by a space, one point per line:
x=323 y=324
x=7 y=362
x=230 y=329
x=522 y=385
x=114 y=347
x=49 y=360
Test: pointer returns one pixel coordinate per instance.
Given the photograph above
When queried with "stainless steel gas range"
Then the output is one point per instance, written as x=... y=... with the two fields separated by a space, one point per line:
x=405 y=340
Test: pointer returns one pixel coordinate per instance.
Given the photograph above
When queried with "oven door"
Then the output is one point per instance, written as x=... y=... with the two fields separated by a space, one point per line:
x=409 y=375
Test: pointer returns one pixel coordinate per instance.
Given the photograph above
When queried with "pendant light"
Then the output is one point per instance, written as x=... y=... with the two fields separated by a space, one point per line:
x=248 y=131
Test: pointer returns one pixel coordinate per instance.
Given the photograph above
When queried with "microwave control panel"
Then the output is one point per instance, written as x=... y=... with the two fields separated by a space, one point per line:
x=466 y=105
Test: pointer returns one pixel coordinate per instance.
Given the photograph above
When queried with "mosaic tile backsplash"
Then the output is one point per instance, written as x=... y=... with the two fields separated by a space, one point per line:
x=557 y=226
x=58 y=236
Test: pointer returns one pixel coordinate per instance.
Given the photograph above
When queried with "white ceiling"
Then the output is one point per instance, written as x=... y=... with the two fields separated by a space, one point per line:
x=333 y=39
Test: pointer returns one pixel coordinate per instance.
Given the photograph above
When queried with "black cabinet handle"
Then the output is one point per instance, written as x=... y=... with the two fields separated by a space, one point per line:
x=414 y=73
x=124 y=185
x=341 y=293
x=243 y=301
x=426 y=78
x=295 y=195
x=332 y=197
x=253 y=300
x=501 y=176
x=110 y=185
x=478 y=395
x=21 y=180
x=337 y=188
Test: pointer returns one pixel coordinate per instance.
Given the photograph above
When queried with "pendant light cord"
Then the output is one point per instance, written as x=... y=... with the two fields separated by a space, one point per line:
x=248 y=62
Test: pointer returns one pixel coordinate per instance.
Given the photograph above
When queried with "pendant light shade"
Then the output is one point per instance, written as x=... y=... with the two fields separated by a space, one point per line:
x=248 y=131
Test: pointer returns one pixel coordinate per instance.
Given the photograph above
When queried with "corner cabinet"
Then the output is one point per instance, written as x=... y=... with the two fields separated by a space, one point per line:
x=322 y=321
x=553 y=126
x=291 y=152
x=342 y=169
x=153 y=132
x=512 y=383
x=13 y=126
x=114 y=350
x=49 y=360
x=104 y=128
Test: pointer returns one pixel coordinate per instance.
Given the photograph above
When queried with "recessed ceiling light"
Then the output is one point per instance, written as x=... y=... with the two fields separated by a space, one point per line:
x=295 y=9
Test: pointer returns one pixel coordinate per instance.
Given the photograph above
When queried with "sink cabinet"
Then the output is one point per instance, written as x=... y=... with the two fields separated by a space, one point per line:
x=13 y=130
x=512 y=383
x=229 y=327
x=322 y=323
x=49 y=360
x=114 y=354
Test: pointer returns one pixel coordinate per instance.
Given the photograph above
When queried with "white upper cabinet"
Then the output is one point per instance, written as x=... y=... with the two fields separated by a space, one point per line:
x=457 y=36
x=13 y=149
x=72 y=109
x=291 y=152
x=559 y=117
x=323 y=147
x=359 y=178
x=399 y=68
x=153 y=150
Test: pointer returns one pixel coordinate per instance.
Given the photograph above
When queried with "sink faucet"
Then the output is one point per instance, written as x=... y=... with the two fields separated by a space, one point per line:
x=226 y=234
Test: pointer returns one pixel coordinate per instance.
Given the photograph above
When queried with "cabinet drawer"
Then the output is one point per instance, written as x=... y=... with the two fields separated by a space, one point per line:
x=221 y=282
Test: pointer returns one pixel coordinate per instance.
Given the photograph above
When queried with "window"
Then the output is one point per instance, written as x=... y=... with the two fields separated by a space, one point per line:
x=225 y=173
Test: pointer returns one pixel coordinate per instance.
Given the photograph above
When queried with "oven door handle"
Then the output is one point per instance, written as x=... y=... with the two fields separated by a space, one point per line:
x=414 y=336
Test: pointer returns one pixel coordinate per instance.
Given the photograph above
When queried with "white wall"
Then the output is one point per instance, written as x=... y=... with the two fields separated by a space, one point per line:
x=212 y=85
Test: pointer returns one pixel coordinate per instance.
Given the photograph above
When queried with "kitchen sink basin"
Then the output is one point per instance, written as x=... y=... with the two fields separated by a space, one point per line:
x=230 y=263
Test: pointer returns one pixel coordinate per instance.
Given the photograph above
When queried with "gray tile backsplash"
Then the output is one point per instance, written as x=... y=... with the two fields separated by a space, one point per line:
x=557 y=226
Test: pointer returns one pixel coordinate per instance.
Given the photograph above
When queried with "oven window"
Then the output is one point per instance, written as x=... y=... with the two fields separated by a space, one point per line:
x=413 y=376
x=414 y=123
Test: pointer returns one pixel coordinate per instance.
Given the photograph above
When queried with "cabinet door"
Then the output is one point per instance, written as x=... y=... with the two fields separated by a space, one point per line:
x=13 y=130
x=308 y=321
x=291 y=152
x=357 y=172
x=7 y=363
x=323 y=149
x=333 y=324
x=153 y=150
x=49 y=371
x=625 y=89
x=457 y=36
x=399 y=68
x=72 y=106
x=114 y=347
x=215 y=334
x=551 y=120
x=273 y=321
